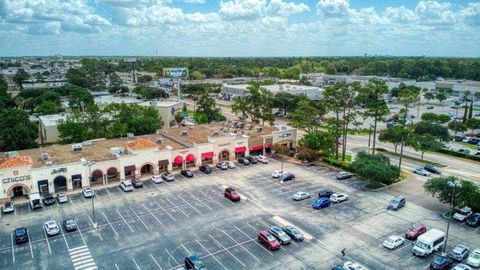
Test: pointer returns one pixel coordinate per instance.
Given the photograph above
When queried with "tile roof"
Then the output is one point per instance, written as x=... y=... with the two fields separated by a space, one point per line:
x=16 y=162
x=140 y=144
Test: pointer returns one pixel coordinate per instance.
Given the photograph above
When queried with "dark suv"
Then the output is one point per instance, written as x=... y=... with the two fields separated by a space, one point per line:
x=205 y=169
x=432 y=169
x=48 y=199
x=21 y=235
x=252 y=159
x=474 y=220
x=325 y=193
x=441 y=263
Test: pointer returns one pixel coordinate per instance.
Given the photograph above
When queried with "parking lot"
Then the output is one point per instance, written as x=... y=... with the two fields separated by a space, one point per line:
x=157 y=226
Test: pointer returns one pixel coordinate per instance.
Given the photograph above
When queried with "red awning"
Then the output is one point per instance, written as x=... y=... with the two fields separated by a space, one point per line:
x=269 y=145
x=240 y=149
x=190 y=158
x=178 y=160
x=207 y=155
x=256 y=147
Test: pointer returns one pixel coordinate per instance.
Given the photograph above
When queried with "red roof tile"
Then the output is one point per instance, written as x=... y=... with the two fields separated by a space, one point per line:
x=16 y=162
x=140 y=144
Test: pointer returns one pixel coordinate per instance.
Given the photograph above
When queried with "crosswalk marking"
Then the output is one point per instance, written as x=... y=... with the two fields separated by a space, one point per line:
x=82 y=259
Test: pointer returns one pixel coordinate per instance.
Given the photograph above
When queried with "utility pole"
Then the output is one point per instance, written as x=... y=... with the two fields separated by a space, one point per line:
x=453 y=185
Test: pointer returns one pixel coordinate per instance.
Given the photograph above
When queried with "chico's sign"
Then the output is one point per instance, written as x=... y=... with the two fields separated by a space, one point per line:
x=16 y=179
x=59 y=170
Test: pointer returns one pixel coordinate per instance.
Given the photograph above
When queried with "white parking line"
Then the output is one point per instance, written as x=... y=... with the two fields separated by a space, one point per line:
x=135 y=262
x=164 y=210
x=153 y=258
x=150 y=212
x=116 y=266
x=146 y=227
x=227 y=250
x=110 y=224
x=241 y=245
x=188 y=251
x=209 y=197
x=92 y=226
x=238 y=229
x=213 y=256
x=194 y=208
x=124 y=220
x=64 y=238
x=48 y=243
x=13 y=249
x=200 y=201
x=172 y=257
x=30 y=243
x=177 y=207
x=110 y=194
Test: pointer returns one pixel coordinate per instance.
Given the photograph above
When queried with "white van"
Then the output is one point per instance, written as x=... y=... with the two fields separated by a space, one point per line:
x=126 y=185
x=427 y=243
x=35 y=201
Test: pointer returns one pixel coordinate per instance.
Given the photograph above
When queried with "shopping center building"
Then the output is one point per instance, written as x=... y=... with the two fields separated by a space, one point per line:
x=58 y=168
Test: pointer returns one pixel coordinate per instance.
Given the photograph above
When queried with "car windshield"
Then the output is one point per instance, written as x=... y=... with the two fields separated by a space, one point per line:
x=463 y=212
x=390 y=240
x=270 y=238
x=20 y=232
x=415 y=228
x=198 y=264
x=422 y=245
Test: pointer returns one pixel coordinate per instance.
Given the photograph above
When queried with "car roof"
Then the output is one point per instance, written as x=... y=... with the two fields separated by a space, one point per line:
x=21 y=229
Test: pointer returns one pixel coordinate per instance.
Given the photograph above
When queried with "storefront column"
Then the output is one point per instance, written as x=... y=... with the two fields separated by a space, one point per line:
x=264 y=143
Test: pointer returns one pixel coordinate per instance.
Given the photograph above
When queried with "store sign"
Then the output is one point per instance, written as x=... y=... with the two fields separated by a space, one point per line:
x=183 y=152
x=241 y=143
x=224 y=144
x=59 y=170
x=16 y=179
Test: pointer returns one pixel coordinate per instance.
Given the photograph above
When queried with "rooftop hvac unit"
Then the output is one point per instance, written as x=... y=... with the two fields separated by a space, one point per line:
x=89 y=142
x=77 y=147
x=184 y=133
x=44 y=156
x=12 y=154
x=159 y=141
x=49 y=163
x=215 y=134
x=116 y=150
x=282 y=127
x=130 y=135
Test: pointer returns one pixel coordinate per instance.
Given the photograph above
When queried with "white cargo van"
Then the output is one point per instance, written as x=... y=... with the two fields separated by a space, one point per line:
x=35 y=201
x=427 y=243
x=126 y=185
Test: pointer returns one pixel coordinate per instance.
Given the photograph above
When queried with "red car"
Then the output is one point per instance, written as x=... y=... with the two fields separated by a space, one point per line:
x=415 y=231
x=232 y=194
x=268 y=240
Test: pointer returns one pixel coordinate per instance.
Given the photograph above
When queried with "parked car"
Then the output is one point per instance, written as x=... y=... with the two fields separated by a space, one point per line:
x=462 y=214
x=168 y=177
x=474 y=140
x=338 y=197
x=337 y=267
x=205 y=169
x=87 y=192
x=415 y=231
x=268 y=240
x=47 y=199
x=441 y=263
x=231 y=194
x=461 y=266
x=392 y=242
x=325 y=193
x=432 y=169
x=21 y=235
x=70 y=225
x=277 y=173
x=222 y=165
x=459 y=138
x=459 y=253
x=194 y=262
x=421 y=171
x=126 y=185
x=280 y=235
x=137 y=183
x=430 y=108
x=252 y=159
x=186 y=173
x=343 y=175
x=231 y=165
x=51 y=228
x=474 y=220
x=301 y=195
x=474 y=258
x=62 y=197
x=244 y=161
x=464 y=151
x=348 y=265
x=287 y=176
x=262 y=159
x=396 y=203
x=293 y=232
x=157 y=179
x=321 y=203
x=8 y=207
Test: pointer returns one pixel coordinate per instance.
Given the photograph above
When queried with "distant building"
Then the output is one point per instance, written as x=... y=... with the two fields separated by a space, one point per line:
x=44 y=84
x=230 y=91
x=48 y=127
x=166 y=110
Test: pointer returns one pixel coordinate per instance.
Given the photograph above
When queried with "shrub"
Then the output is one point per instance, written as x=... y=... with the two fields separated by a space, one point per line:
x=376 y=168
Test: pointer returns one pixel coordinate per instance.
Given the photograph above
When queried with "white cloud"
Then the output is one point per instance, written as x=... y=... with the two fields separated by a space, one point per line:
x=256 y=9
x=333 y=8
x=195 y=1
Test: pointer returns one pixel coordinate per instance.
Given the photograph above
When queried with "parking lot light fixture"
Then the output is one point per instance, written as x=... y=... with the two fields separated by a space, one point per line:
x=453 y=185
x=90 y=164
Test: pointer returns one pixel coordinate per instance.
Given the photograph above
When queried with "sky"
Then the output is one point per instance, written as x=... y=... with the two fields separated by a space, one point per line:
x=240 y=27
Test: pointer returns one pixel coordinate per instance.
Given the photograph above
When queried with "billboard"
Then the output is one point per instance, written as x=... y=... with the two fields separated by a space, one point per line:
x=175 y=72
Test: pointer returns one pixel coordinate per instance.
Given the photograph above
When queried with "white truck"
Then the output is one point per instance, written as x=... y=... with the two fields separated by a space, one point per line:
x=126 y=185
x=427 y=243
x=35 y=201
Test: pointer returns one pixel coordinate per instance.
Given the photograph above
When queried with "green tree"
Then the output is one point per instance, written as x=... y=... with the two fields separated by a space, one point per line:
x=20 y=77
x=441 y=97
x=372 y=95
x=179 y=118
x=138 y=119
x=470 y=112
x=72 y=131
x=240 y=106
x=428 y=96
x=435 y=118
x=466 y=195
x=197 y=75
x=457 y=126
x=80 y=99
x=284 y=101
x=145 y=79
x=375 y=167
x=424 y=143
x=206 y=106
x=77 y=77
x=48 y=107
x=307 y=116
x=473 y=124
x=438 y=132
x=146 y=92
x=407 y=97
x=115 y=83
x=392 y=135
x=321 y=141
x=116 y=129
x=257 y=104
x=5 y=97
x=17 y=131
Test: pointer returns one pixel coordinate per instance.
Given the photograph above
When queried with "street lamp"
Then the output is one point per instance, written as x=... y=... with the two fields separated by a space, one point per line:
x=453 y=185
x=281 y=143
x=90 y=164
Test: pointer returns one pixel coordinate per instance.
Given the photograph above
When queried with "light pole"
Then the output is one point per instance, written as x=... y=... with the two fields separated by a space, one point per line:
x=281 y=143
x=90 y=164
x=453 y=185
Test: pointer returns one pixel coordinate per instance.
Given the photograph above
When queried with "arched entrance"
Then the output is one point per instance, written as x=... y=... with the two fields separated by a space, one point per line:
x=60 y=183
x=113 y=174
x=97 y=177
x=224 y=155
x=190 y=160
x=177 y=162
x=18 y=190
x=147 y=169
